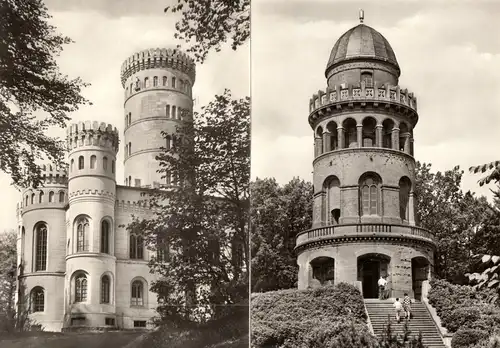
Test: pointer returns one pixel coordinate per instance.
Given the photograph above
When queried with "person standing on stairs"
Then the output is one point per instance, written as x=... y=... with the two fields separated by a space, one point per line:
x=381 y=288
x=407 y=306
x=398 y=307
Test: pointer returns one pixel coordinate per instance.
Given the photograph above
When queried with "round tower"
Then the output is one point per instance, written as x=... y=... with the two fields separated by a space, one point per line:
x=364 y=175
x=42 y=248
x=90 y=224
x=158 y=97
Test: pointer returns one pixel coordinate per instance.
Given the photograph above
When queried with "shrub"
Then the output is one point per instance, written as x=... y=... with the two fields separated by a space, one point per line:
x=466 y=338
x=464 y=316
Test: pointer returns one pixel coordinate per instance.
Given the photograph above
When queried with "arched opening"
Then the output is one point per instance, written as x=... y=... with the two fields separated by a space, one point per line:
x=333 y=141
x=332 y=204
x=318 y=141
x=370 y=268
x=72 y=164
x=164 y=80
x=323 y=270
x=82 y=230
x=32 y=198
x=40 y=197
x=404 y=198
x=404 y=137
x=105 y=163
x=137 y=293
x=93 y=160
x=112 y=166
x=105 y=237
x=367 y=78
x=136 y=247
x=155 y=81
x=81 y=162
x=129 y=148
x=37 y=298
x=168 y=144
x=27 y=201
x=167 y=111
x=61 y=196
x=420 y=267
x=80 y=287
x=51 y=196
x=146 y=82
x=350 y=133
x=105 y=289
x=369 y=194
x=41 y=247
x=173 y=82
x=369 y=124
x=174 y=113
x=387 y=128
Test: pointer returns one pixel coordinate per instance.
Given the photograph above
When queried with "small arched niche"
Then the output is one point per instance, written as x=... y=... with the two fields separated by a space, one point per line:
x=323 y=270
x=350 y=133
x=331 y=186
x=369 y=124
x=387 y=128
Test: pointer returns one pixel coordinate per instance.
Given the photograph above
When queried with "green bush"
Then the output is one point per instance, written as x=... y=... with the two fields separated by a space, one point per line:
x=466 y=338
x=462 y=317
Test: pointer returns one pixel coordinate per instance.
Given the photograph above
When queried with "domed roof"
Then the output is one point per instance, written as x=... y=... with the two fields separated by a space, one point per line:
x=361 y=41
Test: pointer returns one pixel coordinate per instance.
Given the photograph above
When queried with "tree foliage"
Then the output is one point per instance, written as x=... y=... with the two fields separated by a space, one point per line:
x=201 y=222
x=34 y=95
x=210 y=23
x=8 y=259
x=278 y=213
x=494 y=175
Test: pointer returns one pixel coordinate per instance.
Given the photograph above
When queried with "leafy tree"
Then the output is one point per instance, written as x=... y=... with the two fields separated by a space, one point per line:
x=200 y=228
x=278 y=213
x=34 y=95
x=494 y=175
x=210 y=23
x=8 y=259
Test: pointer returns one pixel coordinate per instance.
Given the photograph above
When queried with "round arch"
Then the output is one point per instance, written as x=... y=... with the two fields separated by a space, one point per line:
x=350 y=133
x=371 y=266
x=420 y=272
x=369 y=124
x=323 y=269
x=138 y=297
x=80 y=283
x=370 y=194
x=331 y=203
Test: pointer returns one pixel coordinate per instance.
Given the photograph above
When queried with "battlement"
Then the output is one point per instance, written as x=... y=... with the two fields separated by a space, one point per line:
x=53 y=175
x=361 y=93
x=92 y=134
x=157 y=58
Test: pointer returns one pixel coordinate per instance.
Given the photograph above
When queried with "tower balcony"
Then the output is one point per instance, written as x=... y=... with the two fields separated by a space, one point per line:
x=335 y=234
x=337 y=99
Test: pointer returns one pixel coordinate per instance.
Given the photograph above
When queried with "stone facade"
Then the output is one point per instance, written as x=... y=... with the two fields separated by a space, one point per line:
x=78 y=264
x=364 y=175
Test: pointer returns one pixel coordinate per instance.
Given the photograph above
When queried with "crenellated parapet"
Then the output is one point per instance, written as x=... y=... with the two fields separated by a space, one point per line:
x=52 y=175
x=387 y=96
x=95 y=133
x=158 y=58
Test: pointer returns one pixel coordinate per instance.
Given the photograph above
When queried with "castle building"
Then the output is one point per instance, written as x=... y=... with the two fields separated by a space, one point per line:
x=78 y=264
x=364 y=175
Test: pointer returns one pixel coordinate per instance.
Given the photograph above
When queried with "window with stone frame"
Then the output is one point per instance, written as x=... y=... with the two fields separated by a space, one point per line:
x=136 y=247
x=165 y=81
x=155 y=81
x=105 y=237
x=105 y=289
x=40 y=197
x=81 y=288
x=37 y=299
x=81 y=162
x=51 y=196
x=93 y=160
x=61 y=196
x=82 y=229
x=105 y=163
x=369 y=190
x=367 y=78
x=173 y=82
x=41 y=247
x=137 y=292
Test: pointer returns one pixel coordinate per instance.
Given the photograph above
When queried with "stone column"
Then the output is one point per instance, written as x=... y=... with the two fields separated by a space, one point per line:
x=411 y=210
x=327 y=142
x=395 y=138
x=340 y=137
x=359 y=128
x=319 y=146
x=378 y=135
x=407 y=143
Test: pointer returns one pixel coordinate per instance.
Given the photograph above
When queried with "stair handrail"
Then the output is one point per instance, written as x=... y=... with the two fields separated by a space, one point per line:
x=445 y=335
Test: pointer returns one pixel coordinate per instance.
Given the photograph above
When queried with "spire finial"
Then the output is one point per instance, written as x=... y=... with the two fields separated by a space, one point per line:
x=361 y=16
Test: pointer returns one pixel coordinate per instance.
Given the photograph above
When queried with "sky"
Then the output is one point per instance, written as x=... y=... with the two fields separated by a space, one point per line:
x=105 y=33
x=449 y=55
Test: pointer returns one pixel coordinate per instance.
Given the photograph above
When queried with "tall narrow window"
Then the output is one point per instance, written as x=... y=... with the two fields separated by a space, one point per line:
x=105 y=237
x=37 y=299
x=179 y=113
x=155 y=81
x=40 y=197
x=129 y=148
x=27 y=201
x=82 y=227
x=369 y=195
x=113 y=166
x=32 y=198
x=167 y=111
x=137 y=294
x=169 y=142
x=173 y=112
x=168 y=177
x=41 y=247
x=81 y=288
x=105 y=289
x=367 y=78
x=105 y=163
x=129 y=118
x=72 y=164
x=81 y=162
x=162 y=249
x=51 y=196
x=136 y=247
x=164 y=80
x=93 y=159
x=173 y=82
x=146 y=82
x=61 y=197
x=131 y=87
x=130 y=180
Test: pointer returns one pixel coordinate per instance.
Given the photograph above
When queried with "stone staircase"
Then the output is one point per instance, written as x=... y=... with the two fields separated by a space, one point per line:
x=380 y=310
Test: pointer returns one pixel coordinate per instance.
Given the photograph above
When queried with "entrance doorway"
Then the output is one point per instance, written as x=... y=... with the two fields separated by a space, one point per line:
x=370 y=268
x=419 y=273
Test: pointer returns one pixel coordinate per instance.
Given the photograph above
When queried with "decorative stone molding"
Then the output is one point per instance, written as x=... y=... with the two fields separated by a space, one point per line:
x=363 y=65
x=89 y=133
x=92 y=192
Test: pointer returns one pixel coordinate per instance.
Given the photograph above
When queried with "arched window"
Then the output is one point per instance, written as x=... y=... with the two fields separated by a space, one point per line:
x=105 y=163
x=82 y=228
x=367 y=78
x=129 y=148
x=146 y=82
x=164 y=80
x=93 y=159
x=136 y=247
x=32 y=198
x=81 y=162
x=126 y=150
x=113 y=166
x=27 y=200
x=72 y=164
x=131 y=88
x=126 y=91
x=173 y=112
x=388 y=126
x=369 y=190
x=137 y=298
x=104 y=237
x=51 y=196
x=41 y=247
x=40 y=197
x=162 y=249
x=130 y=180
x=155 y=81
x=105 y=288
x=61 y=196
x=173 y=82
x=169 y=142
x=37 y=299
x=167 y=110
x=129 y=118
x=168 y=177
x=81 y=288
